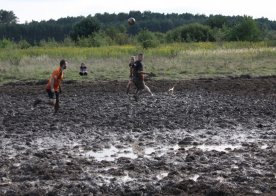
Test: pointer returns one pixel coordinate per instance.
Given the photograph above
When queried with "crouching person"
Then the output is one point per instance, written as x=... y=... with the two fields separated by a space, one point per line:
x=53 y=87
x=83 y=70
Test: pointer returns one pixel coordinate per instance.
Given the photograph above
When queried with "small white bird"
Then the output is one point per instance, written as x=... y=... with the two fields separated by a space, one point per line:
x=171 y=90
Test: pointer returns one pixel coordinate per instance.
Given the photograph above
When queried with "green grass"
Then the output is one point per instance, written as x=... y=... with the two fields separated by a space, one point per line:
x=174 y=61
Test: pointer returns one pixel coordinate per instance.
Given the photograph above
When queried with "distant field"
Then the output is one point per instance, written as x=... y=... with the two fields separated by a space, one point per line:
x=175 y=61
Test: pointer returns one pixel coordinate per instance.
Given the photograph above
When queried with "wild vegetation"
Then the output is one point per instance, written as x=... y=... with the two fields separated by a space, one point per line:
x=173 y=61
x=176 y=46
x=156 y=28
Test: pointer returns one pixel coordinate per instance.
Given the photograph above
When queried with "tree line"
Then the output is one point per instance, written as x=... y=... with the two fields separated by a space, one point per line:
x=150 y=29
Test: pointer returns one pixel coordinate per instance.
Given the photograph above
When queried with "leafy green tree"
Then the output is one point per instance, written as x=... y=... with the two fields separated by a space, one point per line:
x=196 y=32
x=136 y=14
x=217 y=21
x=161 y=37
x=7 y=17
x=246 y=30
x=100 y=39
x=271 y=35
x=147 y=39
x=117 y=35
x=192 y=32
x=220 y=34
x=85 y=28
x=173 y=36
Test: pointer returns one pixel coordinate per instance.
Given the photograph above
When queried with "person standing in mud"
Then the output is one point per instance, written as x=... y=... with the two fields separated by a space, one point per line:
x=131 y=65
x=53 y=87
x=138 y=77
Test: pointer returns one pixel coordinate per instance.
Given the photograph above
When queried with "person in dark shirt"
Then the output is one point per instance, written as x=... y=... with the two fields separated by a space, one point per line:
x=131 y=65
x=83 y=70
x=138 y=77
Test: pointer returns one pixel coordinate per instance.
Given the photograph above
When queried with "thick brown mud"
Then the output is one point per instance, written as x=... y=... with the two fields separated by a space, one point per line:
x=208 y=137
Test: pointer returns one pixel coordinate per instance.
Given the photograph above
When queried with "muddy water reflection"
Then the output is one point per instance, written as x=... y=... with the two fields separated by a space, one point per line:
x=113 y=153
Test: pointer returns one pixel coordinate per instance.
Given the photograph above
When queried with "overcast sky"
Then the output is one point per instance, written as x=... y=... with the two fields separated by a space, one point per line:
x=28 y=10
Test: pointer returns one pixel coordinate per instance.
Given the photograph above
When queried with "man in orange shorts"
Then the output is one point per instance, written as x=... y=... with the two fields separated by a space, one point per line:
x=53 y=86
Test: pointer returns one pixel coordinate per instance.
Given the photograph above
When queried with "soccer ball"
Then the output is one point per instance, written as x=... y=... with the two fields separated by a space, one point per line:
x=131 y=21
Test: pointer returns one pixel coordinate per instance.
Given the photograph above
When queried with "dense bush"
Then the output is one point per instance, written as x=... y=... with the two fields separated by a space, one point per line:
x=85 y=28
x=5 y=43
x=23 y=44
x=191 y=33
x=245 y=30
x=147 y=39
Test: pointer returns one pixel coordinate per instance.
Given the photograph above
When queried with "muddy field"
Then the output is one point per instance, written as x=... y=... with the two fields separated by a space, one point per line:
x=210 y=137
